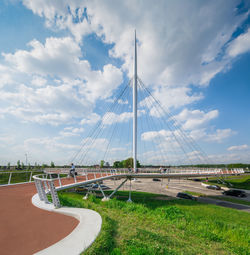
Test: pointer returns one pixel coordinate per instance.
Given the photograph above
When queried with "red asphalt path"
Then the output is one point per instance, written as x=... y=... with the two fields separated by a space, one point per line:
x=26 y=229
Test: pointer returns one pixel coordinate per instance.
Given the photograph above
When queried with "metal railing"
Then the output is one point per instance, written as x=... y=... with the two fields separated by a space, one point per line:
x=14 y=177
x=17 y=177
x=45 y=183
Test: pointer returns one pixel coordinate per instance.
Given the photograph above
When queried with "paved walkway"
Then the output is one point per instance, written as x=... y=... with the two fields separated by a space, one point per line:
x=26 y=229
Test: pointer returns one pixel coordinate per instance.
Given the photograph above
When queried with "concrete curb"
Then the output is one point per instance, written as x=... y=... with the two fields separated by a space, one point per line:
x=81 y=237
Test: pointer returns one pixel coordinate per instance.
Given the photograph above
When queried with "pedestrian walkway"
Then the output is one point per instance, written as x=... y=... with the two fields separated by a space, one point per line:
x=26 y=229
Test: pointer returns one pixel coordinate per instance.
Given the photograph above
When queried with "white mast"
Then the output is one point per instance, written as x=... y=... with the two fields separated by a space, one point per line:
x=135 y=110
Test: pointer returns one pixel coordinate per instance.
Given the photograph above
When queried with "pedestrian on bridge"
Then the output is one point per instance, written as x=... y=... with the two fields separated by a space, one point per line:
x=72 y=171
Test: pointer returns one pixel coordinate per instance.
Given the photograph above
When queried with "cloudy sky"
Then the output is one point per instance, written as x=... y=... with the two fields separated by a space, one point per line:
x=62 y=63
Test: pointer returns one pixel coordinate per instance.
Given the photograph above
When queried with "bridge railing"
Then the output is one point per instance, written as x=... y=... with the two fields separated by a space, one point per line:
x=17 y=177
x=82 y=171
x=46 y=183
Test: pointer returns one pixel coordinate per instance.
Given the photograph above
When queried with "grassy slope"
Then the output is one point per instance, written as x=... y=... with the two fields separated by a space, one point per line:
x=229 y=199
x=150 y=226
x=238 y=182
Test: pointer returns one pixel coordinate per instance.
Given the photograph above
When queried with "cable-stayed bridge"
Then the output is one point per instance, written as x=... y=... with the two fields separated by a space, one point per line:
x=135 y=125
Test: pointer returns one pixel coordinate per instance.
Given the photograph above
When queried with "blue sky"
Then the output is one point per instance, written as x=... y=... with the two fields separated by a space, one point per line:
x=62 y=64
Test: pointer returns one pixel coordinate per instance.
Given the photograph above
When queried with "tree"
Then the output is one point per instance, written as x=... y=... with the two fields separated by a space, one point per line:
x=52 y=165
x=102 y=163
x=18 y=164
x=44 y=166
x=129 y=163
x=22 y=165
x=117 y=164
x=8 y=165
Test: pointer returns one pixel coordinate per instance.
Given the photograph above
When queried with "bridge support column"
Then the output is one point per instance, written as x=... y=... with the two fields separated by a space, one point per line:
x=38 y=188
x=41 y=191
x=104 y=196
x=54 y=195
x=129 y=198
x=117 y=189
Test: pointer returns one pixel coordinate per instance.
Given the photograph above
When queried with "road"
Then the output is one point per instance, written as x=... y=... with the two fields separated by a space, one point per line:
x=171 y=187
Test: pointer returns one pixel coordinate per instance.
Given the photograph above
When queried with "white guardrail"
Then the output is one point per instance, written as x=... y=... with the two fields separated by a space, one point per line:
x=11 y=180
x=83 y=171
x=45 y=183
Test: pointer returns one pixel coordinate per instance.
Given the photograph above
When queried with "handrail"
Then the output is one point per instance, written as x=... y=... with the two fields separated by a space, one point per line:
x=11 y=173
x=46 y=185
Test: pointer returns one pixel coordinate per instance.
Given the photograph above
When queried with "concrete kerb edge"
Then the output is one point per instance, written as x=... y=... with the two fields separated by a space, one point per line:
x=81 y=237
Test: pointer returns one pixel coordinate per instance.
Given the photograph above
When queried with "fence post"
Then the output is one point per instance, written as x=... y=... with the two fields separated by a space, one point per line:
x=30 y=176
x=9 y=178
x=59 y=180
x=38 y=188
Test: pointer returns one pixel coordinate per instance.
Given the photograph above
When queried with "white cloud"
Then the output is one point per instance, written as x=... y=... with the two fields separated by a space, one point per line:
x=189 y=35
x=7 y=139
x=100 y=84
x=5 y=79
x=71 y=131
x=91 y=119
x=169 y=97
x=38 y=81
x=220 y=135
x=53 y=105
x=60 y=57
x=238 y=147
x=120 y=101
x=224 y=158
x=71 y=95
x=151 y=135
x=57 y=57
x=240 y=45
x=196 y=118
x=51 y=144
x=111 y=117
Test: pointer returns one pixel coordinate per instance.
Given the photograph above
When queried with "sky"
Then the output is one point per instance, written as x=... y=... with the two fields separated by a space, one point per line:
x=64 y=63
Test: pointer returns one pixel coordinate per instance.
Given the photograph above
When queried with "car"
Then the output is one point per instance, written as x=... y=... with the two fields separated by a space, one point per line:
x=235 y=193
x=156 y=180
x=216 y=187
x=197 y=180
x=186 y=196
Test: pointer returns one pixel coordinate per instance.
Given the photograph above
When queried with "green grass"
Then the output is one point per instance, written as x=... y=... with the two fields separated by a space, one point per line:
x=238 y=182
x=233 y=200
x=229 y=199
x=16 y=177
x=194 y=193
x=152 y=226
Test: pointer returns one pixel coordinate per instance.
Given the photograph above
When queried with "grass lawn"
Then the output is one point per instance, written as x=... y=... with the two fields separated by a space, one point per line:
x=154 y=225
x=238 y=182
x=229 y=199
x=16 y=177
x=194 y=193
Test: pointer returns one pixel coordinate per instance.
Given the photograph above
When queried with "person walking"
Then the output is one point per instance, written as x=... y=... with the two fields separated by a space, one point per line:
x=72 y=171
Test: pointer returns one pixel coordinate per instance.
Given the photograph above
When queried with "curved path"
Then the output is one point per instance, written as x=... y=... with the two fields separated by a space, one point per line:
x=26 y=229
